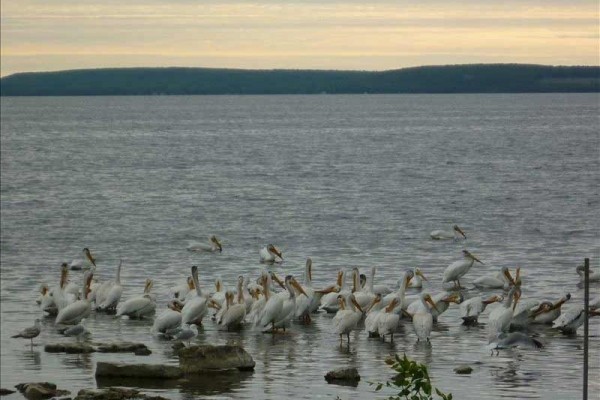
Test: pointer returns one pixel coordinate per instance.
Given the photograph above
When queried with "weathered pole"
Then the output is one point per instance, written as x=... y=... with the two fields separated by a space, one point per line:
x=586 y=326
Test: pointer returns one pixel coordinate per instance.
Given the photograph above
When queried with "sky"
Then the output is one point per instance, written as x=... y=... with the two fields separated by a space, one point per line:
x=42 y=35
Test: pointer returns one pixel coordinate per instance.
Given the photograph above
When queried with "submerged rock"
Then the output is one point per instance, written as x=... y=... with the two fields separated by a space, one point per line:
x=142 y=351
x=343 y=376
x=4 y=392
x=114 y=394
x=150 y=371
x=72 y=348
x=463 y=369
x=40 y=390
x=197 y=359
x=121 y=347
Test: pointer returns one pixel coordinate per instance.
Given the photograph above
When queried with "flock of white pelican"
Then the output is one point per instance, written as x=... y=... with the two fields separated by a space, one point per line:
x=271 y=304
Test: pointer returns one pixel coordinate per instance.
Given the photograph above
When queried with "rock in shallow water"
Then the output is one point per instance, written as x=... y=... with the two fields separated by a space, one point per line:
x=4 y=392
x=40 y=390
x=197 y=359
x=463 y=369
x=114 y=394
x=121 y=347
x=151 y=371
x=343 y=376
x=72 y=348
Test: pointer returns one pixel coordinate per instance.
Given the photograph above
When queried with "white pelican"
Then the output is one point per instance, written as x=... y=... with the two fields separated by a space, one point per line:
x=260 y=299
x=388 y=319
x=181 y=291
x=457 y=269
x=212 y=246
x=219 y=295
x=234 y=313
x=373 y=312
x=501 y=316
x=499 y=280
x=547 y=311
x=594 y=276
x=455 y=233
x=139 y=306
x=112 y=293
x=569 y=321
x=441 y=300
x=303 y=304
x=400 y=292
x=101 y=292
x=366 y=295
x=31 y=332
x=75 y=312
x=347 y=317
x=279 y=310
x=186 y=333
x=329 y=301
x=85 y=262
x=270 y=254
x=196 y=307
x=422 y=319
x=168 y=319
x=471 y=309
x=418 y=278
x=514 y=339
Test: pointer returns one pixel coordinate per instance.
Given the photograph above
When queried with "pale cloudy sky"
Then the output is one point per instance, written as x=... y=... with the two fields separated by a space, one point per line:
x=46 y=35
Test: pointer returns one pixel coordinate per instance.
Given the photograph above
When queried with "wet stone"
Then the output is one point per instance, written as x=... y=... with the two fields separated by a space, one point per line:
x=40 y=390
x=71 y=348
x=198 y=359
x=463 y=369
x=121 y=347
x=149 y=371
x=4 y=392
x=343 y=376
x=114 y=394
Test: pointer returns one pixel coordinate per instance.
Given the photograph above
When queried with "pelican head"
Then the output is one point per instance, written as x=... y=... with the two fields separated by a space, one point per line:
x=453 y=298
x=419 y=273
x=427 y=298
x=457 y=229
x=216 y=242
x=362 y=280
x=493 y=299
x=190 y=281
x=296 y=285
x=88 y=255
x=276 y=279
x=467 y=254
x=355 y=303
x=218 y=284
x=148 y=286
x=544 y=307
x=408 y=275
x=274 y=250
x=516 y=296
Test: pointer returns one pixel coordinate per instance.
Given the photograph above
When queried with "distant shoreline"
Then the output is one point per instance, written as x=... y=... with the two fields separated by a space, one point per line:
x=468 y=78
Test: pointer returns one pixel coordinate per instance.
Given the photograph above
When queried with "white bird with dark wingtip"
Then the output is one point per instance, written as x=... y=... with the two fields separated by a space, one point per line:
x=347 y=317
x=498 y=280
x=501 y=316
x=471 y=309
x=511 y=340
x=422 y=319
x=547 y=311
x=85 y=262
x=75 y=331
x=186 y=333
x=196 y=307
x=270 y=254
x=31 y=332
x=112 y=293
x=212 y=246
x=234 y=313
x=75 y=312
x=169 y=319
x=456 y=233
x=458 y=269
x=139 y=306
x=569 y=321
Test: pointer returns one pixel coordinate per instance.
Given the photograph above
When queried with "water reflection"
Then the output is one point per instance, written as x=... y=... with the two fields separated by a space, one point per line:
x=32 y=358
x=79 y=361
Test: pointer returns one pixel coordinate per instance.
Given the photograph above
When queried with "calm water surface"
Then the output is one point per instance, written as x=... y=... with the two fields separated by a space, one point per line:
x=347 y=180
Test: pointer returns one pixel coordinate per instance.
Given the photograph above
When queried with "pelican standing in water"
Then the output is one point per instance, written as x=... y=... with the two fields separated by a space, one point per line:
x=501 y=316
x=418 y=278
x=471 y=309
x=234 y=313
x=139 y=306
x=31 y=332
x=457 y=269
x=373 y=312
x=112 y=293
x=569 y=321
x=510 y=340
x=388 y=319
x=422 y=319
x=456 y=233
x=169 y=319
x=212 y=246
x=270 y=254
x=347 y=317
x=75 y=312
x=196 y=307
x=180 y=291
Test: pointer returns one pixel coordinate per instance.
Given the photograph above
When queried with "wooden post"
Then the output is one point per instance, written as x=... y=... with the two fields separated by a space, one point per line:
x=586 y=327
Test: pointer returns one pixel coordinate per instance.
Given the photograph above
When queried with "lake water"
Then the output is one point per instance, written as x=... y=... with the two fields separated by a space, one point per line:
x=347 y=180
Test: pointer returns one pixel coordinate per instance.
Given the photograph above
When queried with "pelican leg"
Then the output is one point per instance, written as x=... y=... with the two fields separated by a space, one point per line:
x=392 y=338
x=348 y=335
